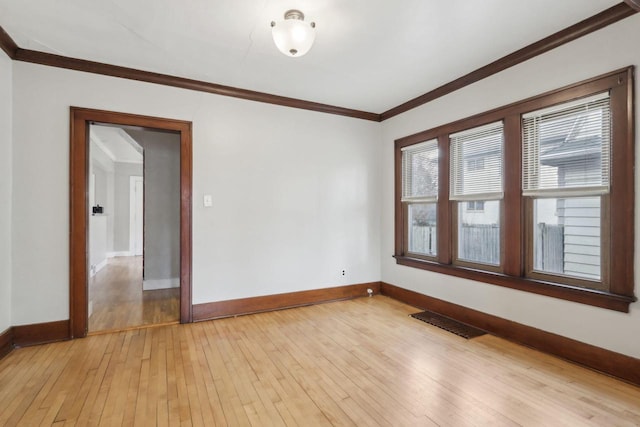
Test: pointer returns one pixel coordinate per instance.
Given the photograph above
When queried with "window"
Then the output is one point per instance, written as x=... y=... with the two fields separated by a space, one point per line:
x=566 y=176
x=536 y=196
x=478 y=236
x=419 y=196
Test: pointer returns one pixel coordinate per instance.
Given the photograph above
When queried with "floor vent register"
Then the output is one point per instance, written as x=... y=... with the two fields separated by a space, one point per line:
x=448 y=324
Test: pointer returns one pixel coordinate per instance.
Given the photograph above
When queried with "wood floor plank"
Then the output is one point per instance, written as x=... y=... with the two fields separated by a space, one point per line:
x=351 y=363
x=302 y=374
x=200 y=386
x=42 y=371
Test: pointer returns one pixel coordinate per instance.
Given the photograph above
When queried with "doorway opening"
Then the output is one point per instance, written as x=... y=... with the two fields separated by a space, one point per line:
x=134 y=227
x=130 y=243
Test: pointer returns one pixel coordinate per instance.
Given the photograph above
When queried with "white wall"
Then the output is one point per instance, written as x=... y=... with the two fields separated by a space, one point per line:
x=161 y=208
x=296 y=193
x=6 y=73
x=606 y=50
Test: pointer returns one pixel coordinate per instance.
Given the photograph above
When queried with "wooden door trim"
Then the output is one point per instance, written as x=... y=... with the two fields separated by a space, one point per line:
x=79 y=215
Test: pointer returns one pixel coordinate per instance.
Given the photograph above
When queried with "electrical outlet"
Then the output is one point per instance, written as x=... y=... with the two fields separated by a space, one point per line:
x=343 y=272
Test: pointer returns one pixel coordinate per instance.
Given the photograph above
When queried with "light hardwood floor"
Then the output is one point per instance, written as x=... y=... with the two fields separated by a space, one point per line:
x=360 y=362
x=120 y=303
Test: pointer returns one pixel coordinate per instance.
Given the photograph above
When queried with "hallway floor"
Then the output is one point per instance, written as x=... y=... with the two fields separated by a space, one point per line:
x=120 y=303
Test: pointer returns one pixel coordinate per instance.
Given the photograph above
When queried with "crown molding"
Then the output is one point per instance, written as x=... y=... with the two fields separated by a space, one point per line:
x=42 y=58
x=582 y=28
x=607 y=17
x=634 y=4
x=7 y=44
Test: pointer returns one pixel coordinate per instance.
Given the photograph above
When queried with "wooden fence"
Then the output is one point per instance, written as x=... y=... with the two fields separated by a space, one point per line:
x=481 y=243
x=549 y=248
x=423 y=239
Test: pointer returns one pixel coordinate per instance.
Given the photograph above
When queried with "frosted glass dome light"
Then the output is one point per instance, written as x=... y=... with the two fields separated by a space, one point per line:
x=293 y=36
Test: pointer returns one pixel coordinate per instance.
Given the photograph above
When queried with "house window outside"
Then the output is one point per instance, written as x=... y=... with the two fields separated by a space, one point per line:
x=475 y=164
x=478 y=232
x=419 y=197
x=475 y=206
x=540 y=198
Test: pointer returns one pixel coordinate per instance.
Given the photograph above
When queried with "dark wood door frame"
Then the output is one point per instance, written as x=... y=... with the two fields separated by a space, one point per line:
x=81 y=118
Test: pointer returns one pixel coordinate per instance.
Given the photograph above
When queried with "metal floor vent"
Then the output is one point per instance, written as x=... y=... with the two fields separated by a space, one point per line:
x=450 y=325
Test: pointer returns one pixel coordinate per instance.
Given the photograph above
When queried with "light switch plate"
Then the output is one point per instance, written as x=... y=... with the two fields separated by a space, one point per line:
x=208 y=201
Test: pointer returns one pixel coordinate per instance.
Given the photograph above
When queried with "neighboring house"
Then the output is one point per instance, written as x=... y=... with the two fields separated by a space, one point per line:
x=578 y=219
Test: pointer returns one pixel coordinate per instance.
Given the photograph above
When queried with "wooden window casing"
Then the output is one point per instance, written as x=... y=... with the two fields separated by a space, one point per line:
x=615 y=290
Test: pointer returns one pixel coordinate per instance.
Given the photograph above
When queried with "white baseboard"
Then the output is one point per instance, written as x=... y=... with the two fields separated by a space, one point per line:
x=121 y=253
x=153 y=284
x=97 y=267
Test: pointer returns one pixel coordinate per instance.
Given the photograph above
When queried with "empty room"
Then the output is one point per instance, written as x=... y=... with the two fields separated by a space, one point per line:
x=230 y=213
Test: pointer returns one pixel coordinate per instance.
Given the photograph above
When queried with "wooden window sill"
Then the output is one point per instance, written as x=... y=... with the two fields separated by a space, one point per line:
x=596 y=298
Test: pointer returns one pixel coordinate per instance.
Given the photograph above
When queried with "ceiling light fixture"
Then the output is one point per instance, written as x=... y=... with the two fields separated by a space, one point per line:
x=293 y=36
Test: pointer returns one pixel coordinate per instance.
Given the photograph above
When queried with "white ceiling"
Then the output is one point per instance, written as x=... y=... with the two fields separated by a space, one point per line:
x=116 y=143
x=369 y=55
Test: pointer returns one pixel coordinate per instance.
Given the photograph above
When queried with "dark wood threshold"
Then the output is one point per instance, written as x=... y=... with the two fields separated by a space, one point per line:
x=6 y=342
x=608 y=362
x=236 y=307
x=592 y=297
x=41 y=333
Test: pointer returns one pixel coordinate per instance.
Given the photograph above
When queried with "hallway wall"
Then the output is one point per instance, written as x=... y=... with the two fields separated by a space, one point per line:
x=161 y=208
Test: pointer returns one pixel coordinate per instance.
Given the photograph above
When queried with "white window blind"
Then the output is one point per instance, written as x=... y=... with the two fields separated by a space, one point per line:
x=566 y=148
x=481 y=146
x=420 y=172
